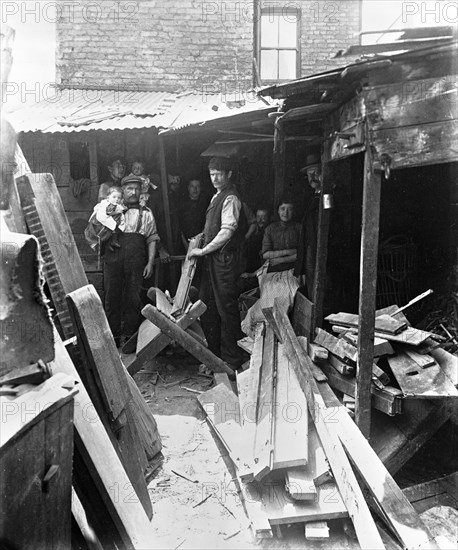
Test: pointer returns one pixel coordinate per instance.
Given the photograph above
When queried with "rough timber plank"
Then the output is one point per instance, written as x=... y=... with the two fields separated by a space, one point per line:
x=338 y=346
x=411 y=336
x=299 y=484
x=93 y=443
x=318 y=374
x=190 y=344
x=247 y=386
x=291 y=418
x=419 y=382
x=263 y=440
x=157 y=341
x=383 y=323
x=187 y=274
x=103 y=362
x=423 y=360
x=281 y=508
x=303 y=313
x=396 y=509
x=381 y=346
x=448 y=363
x=383 y=400
x=366 y=531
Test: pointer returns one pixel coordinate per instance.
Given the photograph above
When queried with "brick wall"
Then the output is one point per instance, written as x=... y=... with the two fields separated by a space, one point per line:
x=173 y=45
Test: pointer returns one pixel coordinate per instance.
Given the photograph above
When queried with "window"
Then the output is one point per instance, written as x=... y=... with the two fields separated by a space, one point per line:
x=278 y=41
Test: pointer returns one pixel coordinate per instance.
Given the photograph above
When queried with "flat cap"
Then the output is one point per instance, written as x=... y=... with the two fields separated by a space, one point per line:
x=131 y=179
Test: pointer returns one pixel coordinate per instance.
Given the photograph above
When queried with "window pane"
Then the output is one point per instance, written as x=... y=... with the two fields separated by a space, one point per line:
x=269 y=30
x=269 y=64
x=288 y=25
x=287 y=62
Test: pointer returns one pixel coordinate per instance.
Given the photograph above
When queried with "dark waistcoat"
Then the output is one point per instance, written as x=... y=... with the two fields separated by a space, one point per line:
x=213 y=220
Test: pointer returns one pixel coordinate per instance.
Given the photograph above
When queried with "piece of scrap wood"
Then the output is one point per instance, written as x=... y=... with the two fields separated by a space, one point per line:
x=318 y=374
x=264 y=434
x=246 y=344
x=381 y=345
x=342 y=368
x=383 y=323
x=299 y=484
x=317 y=353
x=339 y=347
x=185 y=476
x=291 y=418
x=416 y=382
x=448 y=363
x=411 y=336
x=316 y=530
x=423 y=360
x=397 y=510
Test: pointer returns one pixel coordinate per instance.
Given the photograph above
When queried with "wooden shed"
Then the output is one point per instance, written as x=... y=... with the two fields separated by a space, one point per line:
x=389 y=143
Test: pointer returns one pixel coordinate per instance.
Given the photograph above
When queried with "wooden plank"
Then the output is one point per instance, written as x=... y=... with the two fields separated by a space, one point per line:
x=441 y=491
x=422 y=360
x=247 y=386
x=381 y=346
x=291 y=418
x=410 y=335
x=398 y=512
x=160 y=340
x=303 y=316
x=316 y=530
x=282 y=509
x=316 y=371
x=299 y=484
x=432 y=143
x=382 y=400
x=324 y=215
x=48 y=222
x=448 y=363
x=317 y=353
x=264 y=435
x=347 y=484
x=418 y=382
x=246 y=344
x=104 y=465
x=383 y=323
x=410 y=103
x=100 y=355
x=188 y=270
x=339 y=347
x=342 y=368
x=174 y=332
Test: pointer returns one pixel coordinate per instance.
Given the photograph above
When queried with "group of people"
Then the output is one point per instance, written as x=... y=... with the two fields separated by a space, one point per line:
x=129 y=216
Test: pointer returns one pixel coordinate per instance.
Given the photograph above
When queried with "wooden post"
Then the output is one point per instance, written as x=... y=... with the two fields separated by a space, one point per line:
x=165 y=195
x=367 y=290
x=319 y=282
x=93 y=160
x=279 y=162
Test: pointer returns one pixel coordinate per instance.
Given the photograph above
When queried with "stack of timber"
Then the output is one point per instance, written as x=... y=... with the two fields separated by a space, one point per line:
x=408 y=363
x=296 y=450
x=273 y=443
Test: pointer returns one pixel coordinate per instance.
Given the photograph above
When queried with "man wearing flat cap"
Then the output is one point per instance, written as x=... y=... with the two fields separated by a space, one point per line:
x=225 y=227
x=125 y=267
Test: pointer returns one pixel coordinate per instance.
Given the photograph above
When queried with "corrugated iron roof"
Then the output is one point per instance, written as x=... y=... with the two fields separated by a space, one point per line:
x=78 y=110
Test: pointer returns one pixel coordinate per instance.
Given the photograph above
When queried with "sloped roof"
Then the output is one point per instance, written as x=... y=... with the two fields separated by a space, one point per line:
x=83 y=110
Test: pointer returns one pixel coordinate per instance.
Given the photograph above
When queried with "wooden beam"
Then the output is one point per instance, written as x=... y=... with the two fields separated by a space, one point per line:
x=265 y=406
x=396 y=509
x=319 y=282
x=367 y=291
x=366 y=531
x=158 y=343
x=279 y=161
x=107 y=475
x=165 y=195
x=190 y=344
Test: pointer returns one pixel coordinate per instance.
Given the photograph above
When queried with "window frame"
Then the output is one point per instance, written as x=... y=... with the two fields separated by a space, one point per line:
x=275 y=11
